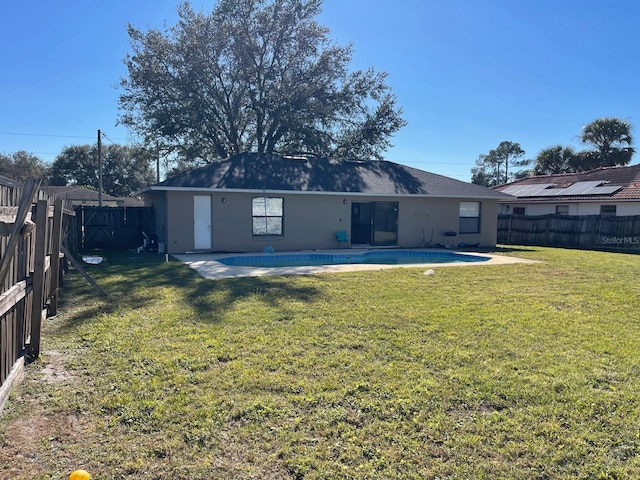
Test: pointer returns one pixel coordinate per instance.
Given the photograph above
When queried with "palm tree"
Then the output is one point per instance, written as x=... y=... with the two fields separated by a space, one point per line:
x=610 y=139
x=553 y=160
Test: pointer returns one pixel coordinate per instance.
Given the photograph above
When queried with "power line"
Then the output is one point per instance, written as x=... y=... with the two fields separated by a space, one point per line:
x=51 y=135
x=21 y=134
x=427 y=162
x=42 y=153
x=104 y=135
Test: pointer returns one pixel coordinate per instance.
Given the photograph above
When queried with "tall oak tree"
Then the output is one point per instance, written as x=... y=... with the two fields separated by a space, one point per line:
x=258 y=76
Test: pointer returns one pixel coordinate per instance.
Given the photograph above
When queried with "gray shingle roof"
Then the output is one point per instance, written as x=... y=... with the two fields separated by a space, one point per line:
x=251 y=171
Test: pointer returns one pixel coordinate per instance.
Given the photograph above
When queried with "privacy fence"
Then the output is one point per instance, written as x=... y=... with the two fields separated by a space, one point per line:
x=33 y=228
x=114 y=227
x=587 y=232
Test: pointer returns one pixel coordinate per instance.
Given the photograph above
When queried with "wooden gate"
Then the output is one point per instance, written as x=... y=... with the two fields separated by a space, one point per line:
x=114 y=228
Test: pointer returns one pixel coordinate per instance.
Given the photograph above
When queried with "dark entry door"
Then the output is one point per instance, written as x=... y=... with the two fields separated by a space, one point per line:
x=374 y=223
x=361 y=219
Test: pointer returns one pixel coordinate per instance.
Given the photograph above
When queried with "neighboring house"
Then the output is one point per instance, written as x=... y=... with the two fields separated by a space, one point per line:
x=7 y=182
x=607 y=191
x=251 y=201
x=85 y=196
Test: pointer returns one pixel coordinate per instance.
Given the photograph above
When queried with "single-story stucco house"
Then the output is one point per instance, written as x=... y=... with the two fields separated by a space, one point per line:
x=288 y=203
x=607 y=191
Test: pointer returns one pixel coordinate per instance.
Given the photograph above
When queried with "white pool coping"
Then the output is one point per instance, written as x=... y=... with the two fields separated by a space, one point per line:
x=206 y=264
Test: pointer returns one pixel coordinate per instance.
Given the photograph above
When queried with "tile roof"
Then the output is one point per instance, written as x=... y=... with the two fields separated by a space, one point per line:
x=80 y=194
x=7 y=182
x=74 y=192
x=252 y=171
x=628 y=177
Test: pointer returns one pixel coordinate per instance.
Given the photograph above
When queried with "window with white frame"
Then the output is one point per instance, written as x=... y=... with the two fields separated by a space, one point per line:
x=469 y=217
x=267 y=215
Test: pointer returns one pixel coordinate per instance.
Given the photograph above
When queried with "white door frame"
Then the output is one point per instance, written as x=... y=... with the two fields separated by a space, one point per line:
x=201 y=222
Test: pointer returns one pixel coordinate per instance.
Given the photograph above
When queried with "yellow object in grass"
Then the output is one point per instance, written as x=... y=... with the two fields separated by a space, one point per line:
x=80 y=475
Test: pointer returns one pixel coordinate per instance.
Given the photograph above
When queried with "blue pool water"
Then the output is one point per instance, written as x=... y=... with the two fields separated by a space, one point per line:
x=383 y=257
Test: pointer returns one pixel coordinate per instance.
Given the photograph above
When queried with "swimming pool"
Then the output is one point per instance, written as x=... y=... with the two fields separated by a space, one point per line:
x=377 y=257
x=209 y=264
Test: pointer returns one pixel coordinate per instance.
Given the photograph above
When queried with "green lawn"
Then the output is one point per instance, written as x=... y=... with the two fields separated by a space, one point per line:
x=523 y=371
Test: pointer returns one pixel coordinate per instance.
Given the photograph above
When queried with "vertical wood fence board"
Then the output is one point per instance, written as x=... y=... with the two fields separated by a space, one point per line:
x=19 y=262
x=14 y=376
x=114 y=227
x=25 y=205
x=4 y=352
x=586 y=231
x=38 y=278
x=28 y=308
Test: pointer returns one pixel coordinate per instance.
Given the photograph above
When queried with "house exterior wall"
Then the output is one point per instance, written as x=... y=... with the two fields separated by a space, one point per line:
x=427 y=219
x=310 y=221
x=575 y=208
x=489 y=224
x=180 y=231
x=158 y=200
x=628 y=209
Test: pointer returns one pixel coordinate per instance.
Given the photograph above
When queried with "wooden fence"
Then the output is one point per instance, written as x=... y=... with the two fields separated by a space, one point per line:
x=32 y=228
x=114 y=227
x=587 y=231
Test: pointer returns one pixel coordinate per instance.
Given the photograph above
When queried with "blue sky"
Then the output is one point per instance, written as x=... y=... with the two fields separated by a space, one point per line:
x=468 y=73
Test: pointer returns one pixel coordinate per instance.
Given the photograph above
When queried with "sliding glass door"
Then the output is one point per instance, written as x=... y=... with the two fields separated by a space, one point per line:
x=374 y=223
x=385 y=223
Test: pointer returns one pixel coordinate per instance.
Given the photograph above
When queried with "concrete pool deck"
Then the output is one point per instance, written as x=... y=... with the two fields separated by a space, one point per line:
x=206 y=264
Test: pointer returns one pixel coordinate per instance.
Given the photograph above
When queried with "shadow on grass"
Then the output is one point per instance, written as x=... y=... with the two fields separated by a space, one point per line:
x=270 y=290
x=135 y=281
x=506 y=249
x=78 y=302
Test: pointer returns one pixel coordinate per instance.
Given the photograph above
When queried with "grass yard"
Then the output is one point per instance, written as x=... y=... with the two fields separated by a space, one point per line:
x=524 y=371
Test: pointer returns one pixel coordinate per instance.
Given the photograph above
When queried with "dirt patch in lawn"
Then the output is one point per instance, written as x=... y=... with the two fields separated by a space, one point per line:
x=22 y=438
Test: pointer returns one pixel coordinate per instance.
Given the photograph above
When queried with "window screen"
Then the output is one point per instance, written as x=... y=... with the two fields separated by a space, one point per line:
x=469 y=217
x=267 y=215
x=608 y=210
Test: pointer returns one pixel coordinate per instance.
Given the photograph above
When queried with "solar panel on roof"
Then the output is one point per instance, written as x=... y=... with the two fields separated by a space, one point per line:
x=530 y=190
x=550 y=192
x=579 y=188
x=536 y=190
x=609 y=189
x=514 y=190
x=547 y=190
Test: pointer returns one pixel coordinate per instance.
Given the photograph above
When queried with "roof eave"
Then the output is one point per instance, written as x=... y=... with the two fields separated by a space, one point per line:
x=488 y=196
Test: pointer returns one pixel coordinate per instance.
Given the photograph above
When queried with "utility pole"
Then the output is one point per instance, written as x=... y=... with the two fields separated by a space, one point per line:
x=99 y=169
